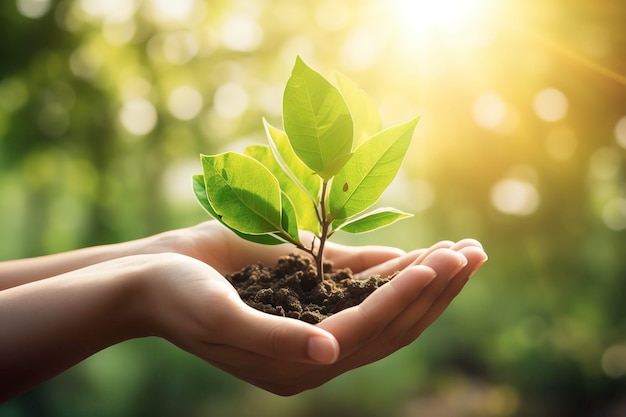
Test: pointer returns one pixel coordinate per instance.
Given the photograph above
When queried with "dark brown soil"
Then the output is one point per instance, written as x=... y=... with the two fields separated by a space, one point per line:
x=291 y=288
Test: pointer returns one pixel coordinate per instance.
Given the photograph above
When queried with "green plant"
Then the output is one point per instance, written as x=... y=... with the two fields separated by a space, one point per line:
x=330 y=164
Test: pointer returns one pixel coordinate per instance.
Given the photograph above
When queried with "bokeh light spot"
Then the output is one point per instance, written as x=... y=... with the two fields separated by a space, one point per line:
x=183 y=11
x=515 y=197
x=550 y=105
x=614 y=214
x=614 y=361
x=85 y=62
x=489 y=110
x=185 y=102
x=33 y=8
x=109 y=10
x=242 y=33
x=620 y=132
x=119 y=33
x=138 y=116
x=231 y=100
x=179 y=48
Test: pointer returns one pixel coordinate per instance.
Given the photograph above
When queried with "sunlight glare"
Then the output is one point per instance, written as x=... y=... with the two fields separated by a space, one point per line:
x=450 y=18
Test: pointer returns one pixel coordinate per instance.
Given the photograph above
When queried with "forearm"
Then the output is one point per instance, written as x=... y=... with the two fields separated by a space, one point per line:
x=22 y=271
x=50 y=325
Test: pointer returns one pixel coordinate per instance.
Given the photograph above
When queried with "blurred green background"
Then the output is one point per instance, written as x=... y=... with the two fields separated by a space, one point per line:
x=105 y=106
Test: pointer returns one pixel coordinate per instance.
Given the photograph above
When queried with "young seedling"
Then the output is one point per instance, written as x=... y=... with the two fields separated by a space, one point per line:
x=321 y=173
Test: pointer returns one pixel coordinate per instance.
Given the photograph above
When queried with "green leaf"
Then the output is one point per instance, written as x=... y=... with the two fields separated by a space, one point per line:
x=290 y=163
x=200 y=192
x=369 y=172
x=304 y=210
x=243 y=193
x=362 y=108
x=374 y=220
x=317 y=121
x=290 y=219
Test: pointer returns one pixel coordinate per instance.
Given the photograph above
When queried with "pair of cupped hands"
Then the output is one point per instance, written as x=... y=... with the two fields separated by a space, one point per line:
x=202 y=313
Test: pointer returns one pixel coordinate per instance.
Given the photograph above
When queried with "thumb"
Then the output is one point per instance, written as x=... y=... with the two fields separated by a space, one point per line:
x=280 y=337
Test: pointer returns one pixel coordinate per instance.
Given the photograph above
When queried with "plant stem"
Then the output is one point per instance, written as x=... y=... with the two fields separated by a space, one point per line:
x=319 y=255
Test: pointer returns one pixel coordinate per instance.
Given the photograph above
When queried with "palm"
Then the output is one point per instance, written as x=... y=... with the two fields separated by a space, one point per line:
x=227 y=253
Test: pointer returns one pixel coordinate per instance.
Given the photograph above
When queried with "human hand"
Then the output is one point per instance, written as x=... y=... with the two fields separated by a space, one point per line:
x=140 y=288
x=391 y=318
x=202 y=313
x=215 y=245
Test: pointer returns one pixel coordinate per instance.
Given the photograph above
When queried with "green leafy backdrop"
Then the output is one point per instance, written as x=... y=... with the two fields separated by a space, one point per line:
x=106 y=105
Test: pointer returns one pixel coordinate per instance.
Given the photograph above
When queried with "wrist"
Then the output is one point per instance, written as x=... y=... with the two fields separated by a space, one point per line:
x=137 y=293
x=150 y=293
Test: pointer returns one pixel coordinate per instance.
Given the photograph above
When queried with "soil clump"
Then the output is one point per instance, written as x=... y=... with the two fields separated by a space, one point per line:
x=291 y=288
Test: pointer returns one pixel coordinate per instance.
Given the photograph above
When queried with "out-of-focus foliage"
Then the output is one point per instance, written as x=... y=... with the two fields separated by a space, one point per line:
x=105 y=106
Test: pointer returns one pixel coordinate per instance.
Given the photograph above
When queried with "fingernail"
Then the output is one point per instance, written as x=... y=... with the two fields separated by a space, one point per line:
x=322 y=349
x=479 y=264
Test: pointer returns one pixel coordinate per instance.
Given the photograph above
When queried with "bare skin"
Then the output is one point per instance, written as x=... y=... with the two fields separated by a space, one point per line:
x=57 y=310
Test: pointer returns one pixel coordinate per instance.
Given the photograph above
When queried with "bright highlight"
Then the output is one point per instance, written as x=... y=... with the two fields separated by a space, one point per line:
x=449 y=18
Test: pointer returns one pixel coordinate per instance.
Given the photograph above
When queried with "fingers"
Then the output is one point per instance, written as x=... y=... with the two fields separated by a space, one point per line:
x=360 y=258
x=476 y=257
x=414 y=257
x=356 y=326
x=278 y=337
x=390 y=266
x=359 y=325
x=396 y=316
x=448 y=244
x=425 y=310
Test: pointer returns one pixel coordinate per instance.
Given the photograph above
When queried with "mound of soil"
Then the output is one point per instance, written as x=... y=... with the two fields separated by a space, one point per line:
x=292 y=289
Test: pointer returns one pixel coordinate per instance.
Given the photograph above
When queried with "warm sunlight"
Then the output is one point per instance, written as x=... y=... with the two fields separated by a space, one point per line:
x=447 y=19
